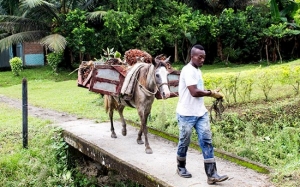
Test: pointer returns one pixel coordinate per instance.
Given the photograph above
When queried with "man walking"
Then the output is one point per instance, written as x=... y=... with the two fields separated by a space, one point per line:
x=192 y=113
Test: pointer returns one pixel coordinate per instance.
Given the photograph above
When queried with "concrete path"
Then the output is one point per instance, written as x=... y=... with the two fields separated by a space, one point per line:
x=162 y=163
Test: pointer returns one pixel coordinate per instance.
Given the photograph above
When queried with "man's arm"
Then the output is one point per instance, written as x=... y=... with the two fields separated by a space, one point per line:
x=195 y=92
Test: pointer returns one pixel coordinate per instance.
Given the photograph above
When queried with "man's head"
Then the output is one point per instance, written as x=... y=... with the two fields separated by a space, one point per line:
x=197 y=55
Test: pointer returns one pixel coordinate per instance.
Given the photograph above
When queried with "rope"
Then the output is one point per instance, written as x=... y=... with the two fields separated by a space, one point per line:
x=216 y=110
x=144 y=89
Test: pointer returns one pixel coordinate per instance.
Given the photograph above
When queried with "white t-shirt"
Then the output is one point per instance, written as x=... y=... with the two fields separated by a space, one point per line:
x=187 y=104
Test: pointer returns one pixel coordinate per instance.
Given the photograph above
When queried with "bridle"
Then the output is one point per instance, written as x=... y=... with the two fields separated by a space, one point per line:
x=157 y=87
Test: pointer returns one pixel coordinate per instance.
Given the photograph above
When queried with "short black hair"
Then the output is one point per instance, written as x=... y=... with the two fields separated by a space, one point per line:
x=198 y=46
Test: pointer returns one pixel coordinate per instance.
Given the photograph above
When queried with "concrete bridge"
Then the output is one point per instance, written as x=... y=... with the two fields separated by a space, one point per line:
x=151 y=170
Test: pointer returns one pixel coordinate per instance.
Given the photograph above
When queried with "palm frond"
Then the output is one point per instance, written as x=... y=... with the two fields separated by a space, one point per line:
x=274 y=10
x=15 y=24
x=29 y=4
x=2 y=10
x=39 y=9
x=55 y=42
x=89 y=4
x=96 y=15
x=3 y=35
x=31 y=36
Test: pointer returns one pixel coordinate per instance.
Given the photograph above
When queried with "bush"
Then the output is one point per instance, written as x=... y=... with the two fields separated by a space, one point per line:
x=54 y=59
x=16 y=65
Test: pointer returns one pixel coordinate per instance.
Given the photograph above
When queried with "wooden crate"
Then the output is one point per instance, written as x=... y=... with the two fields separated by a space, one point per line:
x=108 y=79
x=173 y=81
x=84 y=75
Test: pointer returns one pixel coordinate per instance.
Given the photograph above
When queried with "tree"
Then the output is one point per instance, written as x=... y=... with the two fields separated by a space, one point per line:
x=33 y=25
x=9 y=7
x=80 y=37
x=37 y=21
x=275 y=33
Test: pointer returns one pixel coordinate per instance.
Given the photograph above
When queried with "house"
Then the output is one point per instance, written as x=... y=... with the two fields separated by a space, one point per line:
x=32 y=54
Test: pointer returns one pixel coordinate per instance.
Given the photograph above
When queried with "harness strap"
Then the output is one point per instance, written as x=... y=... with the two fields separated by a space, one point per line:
x=128 y=103
x=146 y=91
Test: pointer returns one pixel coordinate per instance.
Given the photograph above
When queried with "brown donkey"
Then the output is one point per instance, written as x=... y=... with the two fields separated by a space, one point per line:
x=151 y=79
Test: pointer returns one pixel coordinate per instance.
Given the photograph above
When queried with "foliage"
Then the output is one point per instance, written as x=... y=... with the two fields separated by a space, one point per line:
x=270 y=126
x=54 y=59
x=16 y=65
x=79 y=36
x=167 y=22
x=108 y=54
x=37 y=16
x=42 y=164
x=283 y=10
x=240 y=33
x=278 y=31
x=290 y=75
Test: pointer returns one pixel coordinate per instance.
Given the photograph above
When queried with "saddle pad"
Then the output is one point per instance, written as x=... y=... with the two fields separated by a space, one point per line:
x=130 y=81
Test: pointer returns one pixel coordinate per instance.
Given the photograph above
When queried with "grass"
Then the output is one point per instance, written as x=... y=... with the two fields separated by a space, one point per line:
x=250 y=137
x=25 y=167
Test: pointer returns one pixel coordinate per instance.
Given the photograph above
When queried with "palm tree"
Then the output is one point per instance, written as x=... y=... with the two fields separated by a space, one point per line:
x=32 y=24
x=9 y=7
x=39 y=21
x=36 y=22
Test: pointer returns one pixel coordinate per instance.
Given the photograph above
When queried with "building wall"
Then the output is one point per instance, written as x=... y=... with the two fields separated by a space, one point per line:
x=4 y=58
x=33 y=54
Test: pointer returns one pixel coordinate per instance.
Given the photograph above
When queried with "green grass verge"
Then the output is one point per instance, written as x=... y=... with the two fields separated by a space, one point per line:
x=35 y=166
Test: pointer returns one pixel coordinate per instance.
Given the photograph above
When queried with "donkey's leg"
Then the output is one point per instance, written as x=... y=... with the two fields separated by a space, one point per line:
x=144 y=116
x=110 y=109
x=120 y=110
x=139 y=138
x=145 y=128
x=112 y=129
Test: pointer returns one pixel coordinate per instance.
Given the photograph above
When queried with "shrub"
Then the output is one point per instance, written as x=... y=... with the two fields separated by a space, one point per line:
x=16 y=65
x=54 y=59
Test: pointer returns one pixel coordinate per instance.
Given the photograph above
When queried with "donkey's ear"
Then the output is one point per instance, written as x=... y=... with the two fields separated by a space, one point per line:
x=157 y=58
x=139 y=59
x=167 y=60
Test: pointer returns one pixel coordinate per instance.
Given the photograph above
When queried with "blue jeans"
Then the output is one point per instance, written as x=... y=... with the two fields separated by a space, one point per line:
x=202 y=127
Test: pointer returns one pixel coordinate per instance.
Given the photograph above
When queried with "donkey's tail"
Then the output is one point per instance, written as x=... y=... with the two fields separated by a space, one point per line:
x=106 y=103
x=110 y=103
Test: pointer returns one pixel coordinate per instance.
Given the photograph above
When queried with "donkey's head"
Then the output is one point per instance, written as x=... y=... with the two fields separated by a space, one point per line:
x=161 y=75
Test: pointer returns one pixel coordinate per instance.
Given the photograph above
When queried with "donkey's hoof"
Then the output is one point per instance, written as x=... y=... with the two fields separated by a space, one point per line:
x=148 y=151
x=124 y=132
x=140 y=141
x=113 y=135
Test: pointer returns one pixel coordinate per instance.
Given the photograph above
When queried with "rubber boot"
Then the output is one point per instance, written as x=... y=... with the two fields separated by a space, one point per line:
x=181 y=170
x=212 y=175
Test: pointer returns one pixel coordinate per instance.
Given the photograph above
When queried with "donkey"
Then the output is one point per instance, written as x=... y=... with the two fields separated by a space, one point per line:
x=151 y=79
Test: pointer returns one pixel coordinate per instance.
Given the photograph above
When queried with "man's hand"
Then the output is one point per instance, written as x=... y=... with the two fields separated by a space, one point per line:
x=216 y=94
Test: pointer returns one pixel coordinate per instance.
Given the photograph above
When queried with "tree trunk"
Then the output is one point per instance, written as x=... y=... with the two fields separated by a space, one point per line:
x=68 y=58
x=278 y=49
x=267 y=54
x=220 y=49
x=175 y=51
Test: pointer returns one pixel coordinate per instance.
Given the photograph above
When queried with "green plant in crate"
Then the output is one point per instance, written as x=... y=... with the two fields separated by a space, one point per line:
x=54 y=59
x=16 y=65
